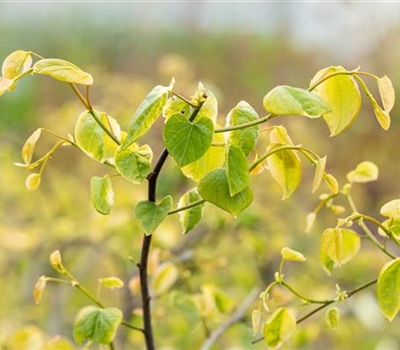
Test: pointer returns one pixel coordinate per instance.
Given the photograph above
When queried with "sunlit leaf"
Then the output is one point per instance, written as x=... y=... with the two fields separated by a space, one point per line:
x=319 y=173
x=293 y=255
x=214 y=188
x=92 y=139
x=56 y=261
x=175 y=105
x=332 y=317
x=243 y=138
x=382 y=116
x=151 y=215
x=134 y=163
x=102 y=194
x=331 y=182
x=16 y=63
x=212 y=159
x=97 y=325
x=391 y=209
x=388 y=289
x=364 y=172
x=62 y=70
x=32 y=182
x=278 y=328
x=340 y=245
x=393 y=226
x=39 y=288
x=210 y=107
x=187 y=141
x=342 y=94
x=287 y=100
x=29 y=146
x=164 y=278
x=190 y=217
x=111 y=282
x=147 y=113
x=237 y=170
x=387 y=93
x=6 y=85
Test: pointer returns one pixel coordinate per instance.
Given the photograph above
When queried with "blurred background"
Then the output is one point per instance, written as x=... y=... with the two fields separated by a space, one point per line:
x=239 y=51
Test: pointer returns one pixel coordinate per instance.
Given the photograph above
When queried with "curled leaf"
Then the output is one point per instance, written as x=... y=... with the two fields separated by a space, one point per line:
x=40 y=286
x=29 y=146
x=32 y=182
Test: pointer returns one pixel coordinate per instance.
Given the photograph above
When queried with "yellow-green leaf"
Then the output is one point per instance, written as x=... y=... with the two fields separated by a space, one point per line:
x=388 y=289
x=287 y=100
x=364 y=172
x=256 y=321
x=102 y=194
x=342 y=94
x=382 y=116
x=62 y=70
x=29 y=146
x=40 y=286
x=32 y=182
x=340 y=245
x=319 y=173
x=210 y=106
x=164 y=278
x=111 y=282
x=190 y=217
x=16 y=63
x=387 y=93
x=332 y=317
x=310 y=220
x=331 y=182
x=6 y=85
x=391 y=209
x=293 y=255
x=279 y=327
x=237 y=170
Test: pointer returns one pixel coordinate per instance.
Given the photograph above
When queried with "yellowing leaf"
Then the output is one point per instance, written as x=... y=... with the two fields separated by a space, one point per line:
x=319 y=173
x=16 y=63
x=332 y=317
x=340 y=245
x=102 y=194
x=29 y=146
x=310 y=221
x=56 y=261
x=32 y=182
x=286 y=100
x=387 y=93
x=279 y=328
x=6 y=85
x=331 y=182
x=342 y=94
x=210 y=106
x=190 y=217
x=382 y=116
x=111 y=282
x=391 y=209
x=290 y=254
x=62 y=70
x=164 y=278
x=388 y=289
x=364 y=172
x=256 y=321
x=40 y=286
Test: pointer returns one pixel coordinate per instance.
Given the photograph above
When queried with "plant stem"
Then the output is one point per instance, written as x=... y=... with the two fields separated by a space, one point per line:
x=146 y=245
x=246 y=125
x=191 y=205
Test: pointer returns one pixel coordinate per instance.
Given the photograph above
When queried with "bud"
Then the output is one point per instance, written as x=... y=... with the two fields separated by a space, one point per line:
x=56 y=262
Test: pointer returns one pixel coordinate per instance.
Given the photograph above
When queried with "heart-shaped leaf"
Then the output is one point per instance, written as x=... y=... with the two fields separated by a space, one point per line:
x=279 y=328
x=151 y=215
x=16 y=63
x=187 y=141
x=214 y=188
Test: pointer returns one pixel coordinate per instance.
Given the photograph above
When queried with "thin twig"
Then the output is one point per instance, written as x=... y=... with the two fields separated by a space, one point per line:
x=236 y=317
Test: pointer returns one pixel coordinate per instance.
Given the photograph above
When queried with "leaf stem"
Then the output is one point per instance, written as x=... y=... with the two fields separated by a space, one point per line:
x=186 y=207
x=246 y=125
x=183 y=99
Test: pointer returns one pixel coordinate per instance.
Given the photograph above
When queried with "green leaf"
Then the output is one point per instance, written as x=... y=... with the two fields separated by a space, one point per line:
x=134 y=163
x=214 y=188
x=164 y=278
x=97 y=325
x=342 y=94
x=364 y=172
x=319 y=173
x=391 y=209
x=286 y=100
x=111 y=282
x=175 y=105
x=387 y=93
x=102 y=194
x=210 y=107
x=332 y=317
x=237 y=170
x=244 y=138
x=147 y=113
x=340 y=245
x=212 y=159
x=29 y=147
x=6 y=85
x=62 y=70
x=388 y=289
x=279 y=328
x=190 y=217
x=32 y=182
x=293 y=255
x=187 y=141
x=92 y=139
x=151 y=215
x=16 y=63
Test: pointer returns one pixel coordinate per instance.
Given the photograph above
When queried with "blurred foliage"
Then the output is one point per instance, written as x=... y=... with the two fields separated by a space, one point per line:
x=231 y=255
